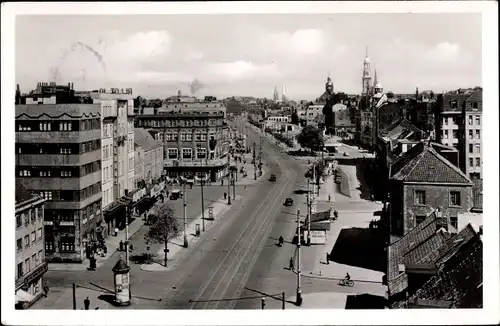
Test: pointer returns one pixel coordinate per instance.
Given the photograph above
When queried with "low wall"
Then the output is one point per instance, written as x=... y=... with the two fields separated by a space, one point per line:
x=344 y=186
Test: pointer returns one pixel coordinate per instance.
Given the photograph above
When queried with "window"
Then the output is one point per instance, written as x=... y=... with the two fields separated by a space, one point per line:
x=33 y=236
x=471 y=162
x=470 y=134
x=419 y=219
x=172 y=153
x=187 y=153
x=471 y=148
x=40 y=213
x=19 y=220
x=26 y=241
x=34 y=262
x=454 y=221
x=27 y=266
x=46 y=195
x=40 y=256
x=25 y=173
x=201 y=152
x=455 y=134
x=478 y=162
x=446 y=134
x=455 y=198
x=475 y=106
x=169 y=136
x=67 y=244
x=183 y=137
x=478 y=148
x=20 y=270
x=66 y=150
x=45 y=126
x=39 y=233
x=189 y=136
x=203 y=137
x=66 y=173
x=19 y=244
x=478 y=134
x=420 y=197
x=478 y=120
x=470 y=120
x=49 y=245
x=32 y=216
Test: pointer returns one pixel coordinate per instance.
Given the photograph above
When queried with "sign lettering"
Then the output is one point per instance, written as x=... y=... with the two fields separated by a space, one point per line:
x=116 y=90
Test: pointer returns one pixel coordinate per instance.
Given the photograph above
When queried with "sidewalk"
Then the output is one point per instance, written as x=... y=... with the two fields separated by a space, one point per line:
x=177 y=250
x=249 y=168
x=112 y=243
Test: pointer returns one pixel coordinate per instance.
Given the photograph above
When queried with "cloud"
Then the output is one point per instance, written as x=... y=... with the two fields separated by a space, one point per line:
x=300 y=42
x=239 y=70
x=140 y=46
x=444 y=51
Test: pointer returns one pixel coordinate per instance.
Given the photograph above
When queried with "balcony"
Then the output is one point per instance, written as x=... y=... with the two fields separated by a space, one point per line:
x=194 y=163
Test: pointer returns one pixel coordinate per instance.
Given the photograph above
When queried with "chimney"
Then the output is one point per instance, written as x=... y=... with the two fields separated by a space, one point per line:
x=72 y=86
x=18 y=89
x=69 y=85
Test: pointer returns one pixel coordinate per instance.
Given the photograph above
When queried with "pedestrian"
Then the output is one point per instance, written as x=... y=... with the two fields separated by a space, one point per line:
x=86 y=303
x=291 y=263
x=45 y=289
x=329 y=197
x=121 y=245
x=225 y=195
x=327 y=258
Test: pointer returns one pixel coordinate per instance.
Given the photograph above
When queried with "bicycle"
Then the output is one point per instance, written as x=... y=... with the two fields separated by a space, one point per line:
x=346 y=282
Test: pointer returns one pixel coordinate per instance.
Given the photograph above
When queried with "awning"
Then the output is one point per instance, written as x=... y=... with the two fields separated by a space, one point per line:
x=23 y=296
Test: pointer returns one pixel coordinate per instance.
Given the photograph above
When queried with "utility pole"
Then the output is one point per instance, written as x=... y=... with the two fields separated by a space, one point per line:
x=186 y=244
x=299 y=291
x=236 y=160
x=126 y=235
x=228 y=181
x=309 y=212
x=202 y=207
x=260 y=156
x=234 y=187
x=74 y=296
x=254 y=164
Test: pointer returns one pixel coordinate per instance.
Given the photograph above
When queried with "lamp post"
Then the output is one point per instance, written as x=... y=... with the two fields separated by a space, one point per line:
x=234 y=186
x=202 y=206
x=228 y=181
x=186 y=244
x=254 y=164
x=299 y=290
x=309 y=212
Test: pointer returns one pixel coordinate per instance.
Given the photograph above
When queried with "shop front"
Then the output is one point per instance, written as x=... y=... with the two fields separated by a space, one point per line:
x=29 y=288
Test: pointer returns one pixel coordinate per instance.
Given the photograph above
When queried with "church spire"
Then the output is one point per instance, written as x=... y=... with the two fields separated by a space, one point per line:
x=375 y=81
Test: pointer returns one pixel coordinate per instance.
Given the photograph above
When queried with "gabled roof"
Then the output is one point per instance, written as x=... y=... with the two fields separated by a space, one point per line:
x=401 y=129
x=143 y=138
x=459 y=279
x=423 y=164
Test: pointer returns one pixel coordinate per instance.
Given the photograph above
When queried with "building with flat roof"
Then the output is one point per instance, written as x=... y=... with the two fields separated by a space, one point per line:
x=58 y=156
x=195 y=141
x=30 y=249
x=152 y=155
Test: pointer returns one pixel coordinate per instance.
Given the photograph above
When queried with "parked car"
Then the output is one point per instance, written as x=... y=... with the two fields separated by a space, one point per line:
x=272 y=178
x=288 y=202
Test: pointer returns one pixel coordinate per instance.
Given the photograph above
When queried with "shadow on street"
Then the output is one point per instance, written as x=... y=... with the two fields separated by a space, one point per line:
x=365 y=301
x=360 y=247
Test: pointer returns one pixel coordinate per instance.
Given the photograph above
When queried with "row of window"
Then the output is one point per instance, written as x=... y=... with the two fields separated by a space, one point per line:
x=185 y=136
x=59 y=172
x=478 y=162
x=455 y=134
x=66 y=245
x=58 y=125
x=28 y=241
x=71 y=195
x=453 y=220
x=28 y=266
x=471 y=120
x=69 y=215
x=29 y=216
x=201 y=122
x=67 y=149
x=187 y=153
x=421 y=199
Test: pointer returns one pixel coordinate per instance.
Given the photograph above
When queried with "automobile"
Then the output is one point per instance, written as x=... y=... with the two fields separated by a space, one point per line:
x=346 y=154
x=288 y=202
x=175 y=194
x=272 y=177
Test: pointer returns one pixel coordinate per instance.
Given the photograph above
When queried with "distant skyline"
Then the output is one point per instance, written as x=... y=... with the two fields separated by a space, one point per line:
x=248 y=55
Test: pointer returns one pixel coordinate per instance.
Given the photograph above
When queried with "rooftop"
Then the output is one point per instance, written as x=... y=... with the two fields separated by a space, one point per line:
x=428 y=244
x=422 y=163
x=144 y=139
x=23 y=195
x=402 y=129
x=72 y=110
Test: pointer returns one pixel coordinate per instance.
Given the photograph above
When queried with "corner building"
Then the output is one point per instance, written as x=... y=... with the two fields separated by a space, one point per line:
x=58 y=156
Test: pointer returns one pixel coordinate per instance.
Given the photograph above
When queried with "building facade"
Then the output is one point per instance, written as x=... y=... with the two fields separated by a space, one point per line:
x=194 y=141
x=459 y=124
x=30 y=249
x=152 y=159
x=139 y=165
x=422 y=180
x=58 y=156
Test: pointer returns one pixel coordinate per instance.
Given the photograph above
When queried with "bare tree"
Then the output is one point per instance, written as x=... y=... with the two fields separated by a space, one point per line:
x=164 y=226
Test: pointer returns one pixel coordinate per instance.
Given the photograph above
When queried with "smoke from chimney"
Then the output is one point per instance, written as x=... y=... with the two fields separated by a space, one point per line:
x=195 y=86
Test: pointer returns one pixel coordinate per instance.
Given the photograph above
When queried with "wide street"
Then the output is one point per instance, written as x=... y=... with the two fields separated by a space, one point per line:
x=236 y=259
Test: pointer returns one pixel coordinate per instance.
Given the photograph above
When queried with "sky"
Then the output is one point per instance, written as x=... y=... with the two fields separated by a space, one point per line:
x=248 y=55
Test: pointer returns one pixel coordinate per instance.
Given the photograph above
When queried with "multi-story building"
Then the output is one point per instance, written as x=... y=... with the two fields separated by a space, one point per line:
x=152 y=159
x=194 y=140
x=117 y=134
x=309 y=113
x=421 y=180
x=58 y=156
x=458 y=124
x=30 y=250
x=139 y=166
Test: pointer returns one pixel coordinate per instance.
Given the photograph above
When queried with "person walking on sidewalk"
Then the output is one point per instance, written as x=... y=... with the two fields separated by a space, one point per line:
x=291 y=263
x=225 y=195
x=86 y=303
x=45 y=289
